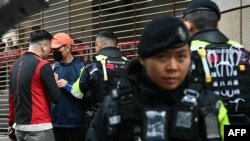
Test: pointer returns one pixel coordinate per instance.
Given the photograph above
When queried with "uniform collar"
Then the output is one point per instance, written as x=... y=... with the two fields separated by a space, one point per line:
x=32 y=53
x=148 y=91
x=111 y=52
x=74 y=60
x=210 y=35
x=152 y=93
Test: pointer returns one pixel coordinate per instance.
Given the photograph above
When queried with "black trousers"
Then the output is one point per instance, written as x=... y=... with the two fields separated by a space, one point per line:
x=69 y=134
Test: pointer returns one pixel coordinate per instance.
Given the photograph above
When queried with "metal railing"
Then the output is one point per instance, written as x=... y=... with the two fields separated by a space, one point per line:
x=4 y=106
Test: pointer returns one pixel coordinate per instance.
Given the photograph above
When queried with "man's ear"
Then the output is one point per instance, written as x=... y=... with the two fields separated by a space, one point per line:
x=99 y=45
x=188 y=25
x=44 y=48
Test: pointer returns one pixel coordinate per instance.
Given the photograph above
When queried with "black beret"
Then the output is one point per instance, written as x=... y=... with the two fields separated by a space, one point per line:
x=162 y=33
x=196 y=5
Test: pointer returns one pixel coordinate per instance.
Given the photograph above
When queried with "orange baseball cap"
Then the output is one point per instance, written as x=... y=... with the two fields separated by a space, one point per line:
x=60 y=39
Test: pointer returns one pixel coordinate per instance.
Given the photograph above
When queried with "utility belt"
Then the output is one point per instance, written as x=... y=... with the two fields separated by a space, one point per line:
x=156 y=125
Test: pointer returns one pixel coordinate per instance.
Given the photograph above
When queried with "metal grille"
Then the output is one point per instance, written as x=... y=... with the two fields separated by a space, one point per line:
x=3 y=112
x=83 y=19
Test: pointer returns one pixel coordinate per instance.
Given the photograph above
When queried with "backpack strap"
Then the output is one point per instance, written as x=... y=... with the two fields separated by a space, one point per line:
x=127 y=101
x=131 y=112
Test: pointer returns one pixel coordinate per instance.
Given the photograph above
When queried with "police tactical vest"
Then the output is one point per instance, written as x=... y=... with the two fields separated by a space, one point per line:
x=225 y=69
x=110 y=71
x=185 y=121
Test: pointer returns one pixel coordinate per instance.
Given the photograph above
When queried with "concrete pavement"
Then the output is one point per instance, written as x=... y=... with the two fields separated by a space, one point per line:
x=4 y=138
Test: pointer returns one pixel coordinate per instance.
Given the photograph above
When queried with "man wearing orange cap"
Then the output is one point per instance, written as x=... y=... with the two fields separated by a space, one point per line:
x=68 y=114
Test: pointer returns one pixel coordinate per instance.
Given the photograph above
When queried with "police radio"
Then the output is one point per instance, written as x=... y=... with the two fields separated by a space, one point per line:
x=212 y=127
x=210 y=120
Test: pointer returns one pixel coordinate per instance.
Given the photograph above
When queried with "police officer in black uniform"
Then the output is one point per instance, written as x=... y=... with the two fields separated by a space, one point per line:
x=201 y=18
x=156 y=102
x=99 y=75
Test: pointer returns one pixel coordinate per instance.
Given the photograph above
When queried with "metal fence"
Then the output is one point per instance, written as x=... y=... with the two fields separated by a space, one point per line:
x=82 y=19
x=3 y=112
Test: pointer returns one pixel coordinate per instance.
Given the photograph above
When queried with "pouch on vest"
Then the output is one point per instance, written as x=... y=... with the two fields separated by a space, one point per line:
x=155 y=125
x=212 y=127
x=209 y=111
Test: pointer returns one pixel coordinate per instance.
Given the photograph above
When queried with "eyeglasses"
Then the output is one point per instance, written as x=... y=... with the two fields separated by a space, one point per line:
x=57 y=49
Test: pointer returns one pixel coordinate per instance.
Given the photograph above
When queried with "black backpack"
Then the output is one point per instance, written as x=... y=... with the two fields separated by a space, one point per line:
x=226 y=71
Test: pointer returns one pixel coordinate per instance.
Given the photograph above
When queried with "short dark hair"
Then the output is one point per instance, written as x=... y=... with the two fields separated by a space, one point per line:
x=203 y=19
x=40 y=35
x=108 y=34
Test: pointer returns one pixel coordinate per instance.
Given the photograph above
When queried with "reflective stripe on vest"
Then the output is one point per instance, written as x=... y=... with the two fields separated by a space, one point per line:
x=76 y=92
x=100 y=57
x=196 y=44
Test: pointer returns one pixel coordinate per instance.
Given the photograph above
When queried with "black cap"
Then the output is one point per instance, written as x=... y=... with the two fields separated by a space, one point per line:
x=162 y=33
x=196 y=5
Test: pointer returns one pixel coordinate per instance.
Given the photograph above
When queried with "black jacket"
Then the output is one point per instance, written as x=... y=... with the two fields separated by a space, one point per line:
x=90 y=80
x=148 y=96
x=90 y=75
x=32 y=89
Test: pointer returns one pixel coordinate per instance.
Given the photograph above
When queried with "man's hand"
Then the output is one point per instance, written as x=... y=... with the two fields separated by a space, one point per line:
x=9 y=129
x=61 y=83
x=11 y=133
x=56 y=76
